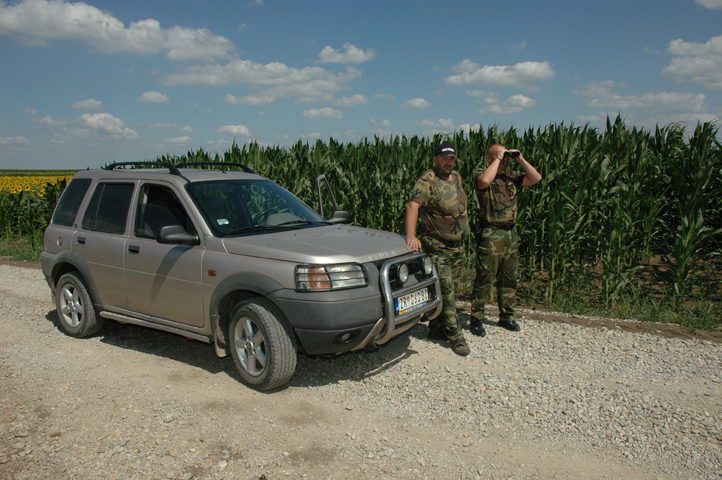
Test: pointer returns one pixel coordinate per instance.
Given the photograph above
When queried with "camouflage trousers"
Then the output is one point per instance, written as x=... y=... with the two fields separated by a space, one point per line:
x=497 y=258
x=449 y=262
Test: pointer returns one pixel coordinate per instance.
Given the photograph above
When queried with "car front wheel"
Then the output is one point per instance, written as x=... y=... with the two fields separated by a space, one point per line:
x=262 y=344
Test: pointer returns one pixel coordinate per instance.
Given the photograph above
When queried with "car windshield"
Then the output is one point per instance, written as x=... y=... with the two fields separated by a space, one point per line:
x=242 y=207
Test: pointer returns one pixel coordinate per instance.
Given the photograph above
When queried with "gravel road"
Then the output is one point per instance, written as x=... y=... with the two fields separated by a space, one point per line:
x=556 y=400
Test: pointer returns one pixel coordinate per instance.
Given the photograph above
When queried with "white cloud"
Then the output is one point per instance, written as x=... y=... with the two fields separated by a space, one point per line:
x=522 y=75
x=306 y=85
x=37 y=22
x=13 y=140
x=31 y=111
x=255 y=2
x=519 y=47
x=48 y=120
x=711 y=4
x=153 y=97
x=696 y=62
x=515 y=104
x=351 y=101
x=353 y=55
x=416 y=103
x=187 y=129
x=601 y=97
x=235 y=130
x=385 y=95
x=438 y=124
x=466 y=127
x=178 y=140
x=89 y=104
x=322 y=113
x=312 y=136
x=107 y=124
x=382 y=123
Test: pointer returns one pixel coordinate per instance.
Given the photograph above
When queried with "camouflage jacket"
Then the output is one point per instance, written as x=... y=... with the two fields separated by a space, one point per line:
x=498 y=202
x=443 y=206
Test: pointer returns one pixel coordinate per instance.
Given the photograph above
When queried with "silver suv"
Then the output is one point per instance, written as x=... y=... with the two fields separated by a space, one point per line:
x=230 y=258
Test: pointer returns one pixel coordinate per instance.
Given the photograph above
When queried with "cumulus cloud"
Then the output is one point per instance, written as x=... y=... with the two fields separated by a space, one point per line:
x=89 y=104
x=48 y=120
x=514 y=104
x=178 y=140
x=187 y=129
x=711 y=4
x=31 y=111
x=385 y=95
x=352 y=55
x=13 y=140
x=522 y=75
x=416 y=104
x=107 y=124
x=696 y=62
x=306 y=85
x=327 y=112
x=383 y=123
x=235 y=130
x=38 y=22
x=600 y=96
x=351 y=101
x=152 y=97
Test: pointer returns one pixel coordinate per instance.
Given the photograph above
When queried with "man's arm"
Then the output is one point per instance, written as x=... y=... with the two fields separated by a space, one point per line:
x=484 y=180
x=531 y=177
x=412 y=216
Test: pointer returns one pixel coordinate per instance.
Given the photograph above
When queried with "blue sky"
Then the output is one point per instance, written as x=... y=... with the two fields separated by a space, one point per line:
x=84 y=84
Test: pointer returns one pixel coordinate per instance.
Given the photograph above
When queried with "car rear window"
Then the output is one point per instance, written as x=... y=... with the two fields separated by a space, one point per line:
x=70 y=201
x=108 y=209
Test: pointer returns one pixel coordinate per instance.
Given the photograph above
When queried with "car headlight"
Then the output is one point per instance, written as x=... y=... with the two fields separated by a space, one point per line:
x=329 y=277
x=428 y=265
x=402 y=273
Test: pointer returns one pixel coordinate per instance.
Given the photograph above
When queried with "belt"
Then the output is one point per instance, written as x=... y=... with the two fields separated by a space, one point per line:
x=498 y=226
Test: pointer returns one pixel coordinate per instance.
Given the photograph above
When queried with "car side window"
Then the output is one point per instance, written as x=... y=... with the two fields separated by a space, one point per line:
x=108 y=208
x=159 y=206
x=70 y=202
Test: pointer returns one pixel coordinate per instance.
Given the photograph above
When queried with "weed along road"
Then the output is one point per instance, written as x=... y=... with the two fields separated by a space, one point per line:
x=555 y=400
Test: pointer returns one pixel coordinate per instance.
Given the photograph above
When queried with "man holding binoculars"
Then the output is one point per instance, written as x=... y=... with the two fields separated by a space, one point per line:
x=497 y=254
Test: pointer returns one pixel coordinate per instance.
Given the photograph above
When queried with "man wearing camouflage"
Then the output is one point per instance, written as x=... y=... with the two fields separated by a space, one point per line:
x=497 y=255
x=440 y=199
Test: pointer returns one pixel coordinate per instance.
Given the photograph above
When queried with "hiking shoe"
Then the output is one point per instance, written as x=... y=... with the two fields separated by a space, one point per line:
x=510 y=325
x=477 y=328
x=460 y=347
x=434 y=335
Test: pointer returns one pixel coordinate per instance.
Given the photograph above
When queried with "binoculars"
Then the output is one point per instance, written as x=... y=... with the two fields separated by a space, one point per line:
x=511 y=154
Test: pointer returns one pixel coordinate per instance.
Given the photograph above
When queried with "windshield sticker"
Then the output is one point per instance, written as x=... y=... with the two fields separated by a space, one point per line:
x=222 y=221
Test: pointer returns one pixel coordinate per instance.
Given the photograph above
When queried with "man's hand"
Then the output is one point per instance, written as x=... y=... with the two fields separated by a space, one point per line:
x=413 y=242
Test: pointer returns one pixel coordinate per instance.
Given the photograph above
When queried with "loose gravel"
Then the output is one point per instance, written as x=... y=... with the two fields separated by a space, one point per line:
x=552 y=401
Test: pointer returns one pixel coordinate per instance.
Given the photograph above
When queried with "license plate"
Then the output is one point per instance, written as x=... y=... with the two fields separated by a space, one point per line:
x=410 y=301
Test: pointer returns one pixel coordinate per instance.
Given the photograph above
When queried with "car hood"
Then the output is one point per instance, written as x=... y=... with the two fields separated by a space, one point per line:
x=328 y=244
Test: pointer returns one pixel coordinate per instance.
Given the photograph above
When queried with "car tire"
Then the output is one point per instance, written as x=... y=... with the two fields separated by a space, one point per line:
x=75 y=307
x=262 y=344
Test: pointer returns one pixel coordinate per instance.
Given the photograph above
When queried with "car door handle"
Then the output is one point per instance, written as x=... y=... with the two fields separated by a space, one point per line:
x=133 y=249
x=81 y=240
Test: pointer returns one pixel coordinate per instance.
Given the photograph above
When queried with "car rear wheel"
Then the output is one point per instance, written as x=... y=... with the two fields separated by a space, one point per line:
x=75 y=306
x=263 y=346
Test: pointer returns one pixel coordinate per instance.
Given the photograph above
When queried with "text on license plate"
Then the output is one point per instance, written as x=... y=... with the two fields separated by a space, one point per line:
x=407 y=302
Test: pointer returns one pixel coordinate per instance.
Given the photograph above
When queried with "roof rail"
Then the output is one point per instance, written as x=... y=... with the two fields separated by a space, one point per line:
x=171 y=168
x=211 y=164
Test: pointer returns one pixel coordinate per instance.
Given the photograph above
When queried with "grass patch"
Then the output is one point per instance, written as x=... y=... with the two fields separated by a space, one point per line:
x=20 y=248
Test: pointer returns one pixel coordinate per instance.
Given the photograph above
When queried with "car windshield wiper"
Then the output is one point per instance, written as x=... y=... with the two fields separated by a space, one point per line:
x=250 y=229
x=294 y=223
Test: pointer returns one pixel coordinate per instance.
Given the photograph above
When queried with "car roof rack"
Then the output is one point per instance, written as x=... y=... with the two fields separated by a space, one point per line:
x=171 y=168
x=213 y=164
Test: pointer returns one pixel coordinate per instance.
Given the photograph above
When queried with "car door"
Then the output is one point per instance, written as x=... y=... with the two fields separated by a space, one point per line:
x=163 y=281
x=101 y=238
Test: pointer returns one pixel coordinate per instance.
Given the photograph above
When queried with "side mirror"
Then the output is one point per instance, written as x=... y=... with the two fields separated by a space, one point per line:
x=176 y=235
x=340 y=217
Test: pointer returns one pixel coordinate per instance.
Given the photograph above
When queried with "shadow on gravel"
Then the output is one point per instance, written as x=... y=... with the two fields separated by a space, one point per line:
x=310 y=371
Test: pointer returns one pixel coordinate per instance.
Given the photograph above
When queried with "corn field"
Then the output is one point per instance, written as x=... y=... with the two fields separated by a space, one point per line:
x=620 y=211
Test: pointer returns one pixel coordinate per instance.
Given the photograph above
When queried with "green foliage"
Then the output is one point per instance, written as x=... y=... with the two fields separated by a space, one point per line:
x=610 y=203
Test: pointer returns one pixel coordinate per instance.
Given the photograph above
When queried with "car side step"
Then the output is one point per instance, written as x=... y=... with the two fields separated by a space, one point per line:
x=137 y=321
